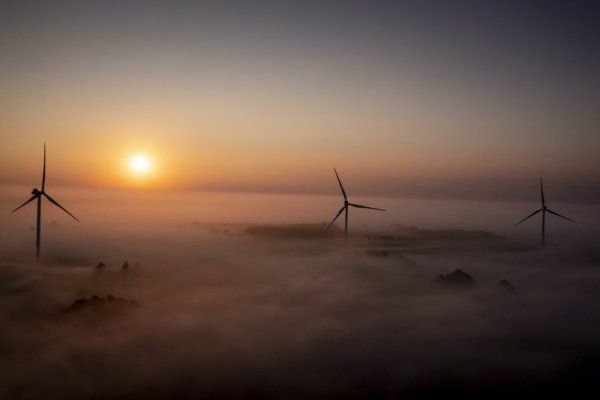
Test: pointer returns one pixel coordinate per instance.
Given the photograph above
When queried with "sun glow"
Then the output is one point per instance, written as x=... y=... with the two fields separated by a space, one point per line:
x=141 y=169
x=140 y=164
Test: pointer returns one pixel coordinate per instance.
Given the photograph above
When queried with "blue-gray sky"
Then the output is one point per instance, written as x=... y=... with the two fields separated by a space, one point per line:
x=433 y=98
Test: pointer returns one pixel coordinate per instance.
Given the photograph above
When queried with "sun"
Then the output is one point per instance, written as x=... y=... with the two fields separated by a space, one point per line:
x=140 y=164
x=140 y=169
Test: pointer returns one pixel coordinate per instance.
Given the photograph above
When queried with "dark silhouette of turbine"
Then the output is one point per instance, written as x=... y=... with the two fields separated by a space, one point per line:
x=37 y=194
x=345 y=208
x=543 y=210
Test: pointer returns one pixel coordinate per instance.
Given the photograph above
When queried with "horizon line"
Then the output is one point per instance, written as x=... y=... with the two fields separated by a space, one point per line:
x=331 y=193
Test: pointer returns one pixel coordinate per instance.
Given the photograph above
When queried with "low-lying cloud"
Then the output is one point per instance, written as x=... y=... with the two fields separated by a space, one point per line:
x=238 y=316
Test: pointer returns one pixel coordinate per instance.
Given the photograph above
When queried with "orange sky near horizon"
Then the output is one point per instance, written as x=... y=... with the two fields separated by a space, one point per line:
x=254 y=101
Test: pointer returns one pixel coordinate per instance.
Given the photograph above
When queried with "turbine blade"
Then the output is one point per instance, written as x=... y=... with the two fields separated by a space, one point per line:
x=336 y=217
x=44 y=173
x=529 y=216
x=542 y=191
x=370 y=208
x=59 y=206
x=35 y=196
x=558 y=215
x=341 y=186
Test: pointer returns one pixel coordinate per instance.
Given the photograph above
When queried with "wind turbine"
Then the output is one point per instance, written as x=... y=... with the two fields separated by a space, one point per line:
x=37 y=194
x=543 y=210
x=345 y=208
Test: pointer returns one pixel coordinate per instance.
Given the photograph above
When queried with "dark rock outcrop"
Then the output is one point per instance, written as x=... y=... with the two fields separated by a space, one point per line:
x=458 y=278
x=505 y=286
x=97 y=306
x=131 y=269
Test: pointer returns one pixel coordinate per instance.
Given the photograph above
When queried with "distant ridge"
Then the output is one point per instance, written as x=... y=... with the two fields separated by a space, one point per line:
x=294 y=231
x=412 y=232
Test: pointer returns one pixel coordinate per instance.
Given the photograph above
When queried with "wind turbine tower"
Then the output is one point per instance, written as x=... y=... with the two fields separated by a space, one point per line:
x=37 y=195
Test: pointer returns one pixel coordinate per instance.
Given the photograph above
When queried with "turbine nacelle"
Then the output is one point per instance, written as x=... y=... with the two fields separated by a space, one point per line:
x=36 y=192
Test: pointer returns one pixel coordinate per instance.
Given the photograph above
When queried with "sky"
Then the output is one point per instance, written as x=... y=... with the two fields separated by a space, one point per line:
x=463 y=99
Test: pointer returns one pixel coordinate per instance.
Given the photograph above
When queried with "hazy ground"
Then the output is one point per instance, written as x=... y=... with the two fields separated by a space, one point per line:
x=228 y=313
